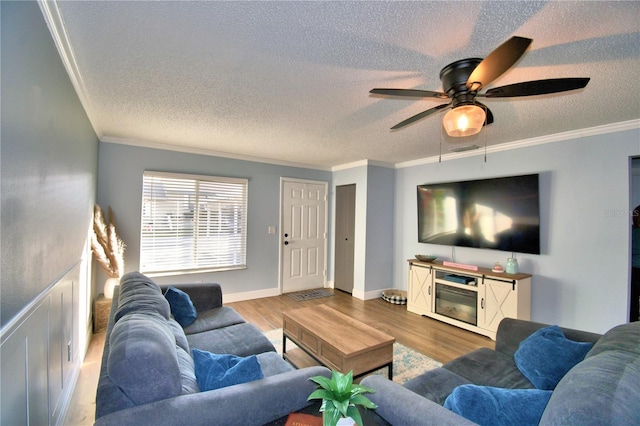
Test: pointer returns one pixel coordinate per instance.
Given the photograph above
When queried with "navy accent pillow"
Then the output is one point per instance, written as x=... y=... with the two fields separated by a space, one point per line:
x=488 y=405
x=547 y=355
x=181 y=306
x=215 y=371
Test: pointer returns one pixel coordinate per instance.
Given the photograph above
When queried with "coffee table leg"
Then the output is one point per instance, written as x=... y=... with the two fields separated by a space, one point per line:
x=391 y=370
x=284 y=344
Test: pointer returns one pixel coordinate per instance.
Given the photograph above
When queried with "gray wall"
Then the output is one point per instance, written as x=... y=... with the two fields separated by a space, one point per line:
x=48 y=185
x=49 y=162
x=379 y=257
x=120 y=186
x=581 y=279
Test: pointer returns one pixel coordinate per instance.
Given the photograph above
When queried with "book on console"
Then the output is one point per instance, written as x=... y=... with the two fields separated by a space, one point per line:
x=302 y=419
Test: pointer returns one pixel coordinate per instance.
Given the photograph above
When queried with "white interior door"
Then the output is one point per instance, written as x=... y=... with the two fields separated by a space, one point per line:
x=303 y=235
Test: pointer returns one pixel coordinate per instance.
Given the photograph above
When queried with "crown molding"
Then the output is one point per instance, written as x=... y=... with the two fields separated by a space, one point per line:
x=362 y=163
x=55 y=23
x=208 y=152
x=557 y=137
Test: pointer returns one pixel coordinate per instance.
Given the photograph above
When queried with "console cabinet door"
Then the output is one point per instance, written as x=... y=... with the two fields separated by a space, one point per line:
x=420 y=293
x=497 y=300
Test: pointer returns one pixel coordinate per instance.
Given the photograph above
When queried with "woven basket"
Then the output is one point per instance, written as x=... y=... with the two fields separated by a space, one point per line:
x=397 y=297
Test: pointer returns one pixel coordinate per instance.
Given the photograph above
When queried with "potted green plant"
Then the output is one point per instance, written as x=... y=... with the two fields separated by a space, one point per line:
x=340 y=398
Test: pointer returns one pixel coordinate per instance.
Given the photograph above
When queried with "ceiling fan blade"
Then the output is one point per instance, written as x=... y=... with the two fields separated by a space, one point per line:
x=537 y=87
x=498 y=61
x=410 y=92
x=423 y=114
x=489 y=118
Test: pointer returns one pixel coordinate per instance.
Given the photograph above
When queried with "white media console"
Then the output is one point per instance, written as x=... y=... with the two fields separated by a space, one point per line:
x=473 y=300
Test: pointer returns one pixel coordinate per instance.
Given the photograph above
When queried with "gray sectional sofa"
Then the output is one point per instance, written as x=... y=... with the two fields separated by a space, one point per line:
x=147 y=374
x=602 y=389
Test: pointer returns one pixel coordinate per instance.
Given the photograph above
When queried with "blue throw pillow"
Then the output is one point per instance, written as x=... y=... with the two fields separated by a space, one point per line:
x=547 y=355
x=181 y=306
x=215 y=371
x=487 y=405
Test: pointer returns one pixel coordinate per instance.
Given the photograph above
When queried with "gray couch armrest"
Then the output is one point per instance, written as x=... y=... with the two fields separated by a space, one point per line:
x=513 y=331
x=204 y=296
x=253 y=403
x=400 y=406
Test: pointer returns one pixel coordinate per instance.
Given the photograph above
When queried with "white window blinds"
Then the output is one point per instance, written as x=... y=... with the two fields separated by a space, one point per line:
x=192 y=223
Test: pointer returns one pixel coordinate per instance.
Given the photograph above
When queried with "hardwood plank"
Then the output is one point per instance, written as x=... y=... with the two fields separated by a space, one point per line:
x=437 y=340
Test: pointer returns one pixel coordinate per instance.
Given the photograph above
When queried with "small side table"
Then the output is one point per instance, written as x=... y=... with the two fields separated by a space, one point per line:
x=101 y=308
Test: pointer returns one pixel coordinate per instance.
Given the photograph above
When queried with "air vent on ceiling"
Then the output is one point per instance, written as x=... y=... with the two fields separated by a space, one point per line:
x=464 y=148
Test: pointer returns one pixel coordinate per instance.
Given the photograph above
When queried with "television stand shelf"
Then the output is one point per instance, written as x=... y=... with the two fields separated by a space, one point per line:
x=473 y=300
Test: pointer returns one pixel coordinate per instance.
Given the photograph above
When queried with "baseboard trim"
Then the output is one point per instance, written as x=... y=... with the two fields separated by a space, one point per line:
x=367 y=295
x=249 y=295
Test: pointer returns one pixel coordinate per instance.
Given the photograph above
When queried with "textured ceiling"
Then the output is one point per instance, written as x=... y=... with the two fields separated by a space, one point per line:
x=289 y=81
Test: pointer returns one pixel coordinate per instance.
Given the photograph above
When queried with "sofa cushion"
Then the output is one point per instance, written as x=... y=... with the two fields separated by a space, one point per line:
x=272 y=363
x=547 y=355
x=142 y=358
x=181 y=306
x=487 y=405
x=187 y=372
x=489 y=368
x=240 y=339
x=215 y=371
x=136 y=279
x=625 y=337
x=214 y=318
x=436 y=385
x=604 y=389
x=178 y=333
x=138 y=293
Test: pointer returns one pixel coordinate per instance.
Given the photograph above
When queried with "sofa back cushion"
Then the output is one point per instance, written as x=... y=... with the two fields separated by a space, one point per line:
x=601 y=390
x=625 y=337
x=605 y=387
x=143 y=361
x=139 y=293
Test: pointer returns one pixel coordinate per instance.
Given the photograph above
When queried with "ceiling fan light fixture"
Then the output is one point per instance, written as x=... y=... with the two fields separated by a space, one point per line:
x=465 y=120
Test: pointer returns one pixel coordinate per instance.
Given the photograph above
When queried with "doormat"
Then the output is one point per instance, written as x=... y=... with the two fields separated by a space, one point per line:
x=407 y=363
x=310 y=294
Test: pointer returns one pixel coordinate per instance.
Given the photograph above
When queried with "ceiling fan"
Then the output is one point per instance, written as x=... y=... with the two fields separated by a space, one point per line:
x=463 y=79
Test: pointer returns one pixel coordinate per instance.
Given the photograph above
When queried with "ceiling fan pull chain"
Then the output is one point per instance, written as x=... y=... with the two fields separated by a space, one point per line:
x=440 y=156
x=485 y=134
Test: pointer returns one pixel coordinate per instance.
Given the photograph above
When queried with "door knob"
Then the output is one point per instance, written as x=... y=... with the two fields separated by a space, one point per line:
x=286 y=243
x=286 y=235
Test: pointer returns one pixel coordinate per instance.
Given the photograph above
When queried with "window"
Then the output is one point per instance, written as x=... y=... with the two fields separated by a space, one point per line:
x=192 y=223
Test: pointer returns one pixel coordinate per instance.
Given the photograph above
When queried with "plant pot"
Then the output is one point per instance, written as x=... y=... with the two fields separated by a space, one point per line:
x=343 y=421
x=109 y=285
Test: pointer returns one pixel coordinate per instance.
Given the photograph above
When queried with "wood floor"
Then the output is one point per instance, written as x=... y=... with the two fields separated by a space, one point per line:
x=437 y=340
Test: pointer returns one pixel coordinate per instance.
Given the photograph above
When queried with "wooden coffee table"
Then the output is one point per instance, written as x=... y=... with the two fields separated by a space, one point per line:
x=336 y=341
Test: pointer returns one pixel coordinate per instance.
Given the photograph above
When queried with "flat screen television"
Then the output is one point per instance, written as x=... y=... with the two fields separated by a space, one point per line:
x=500 y=213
